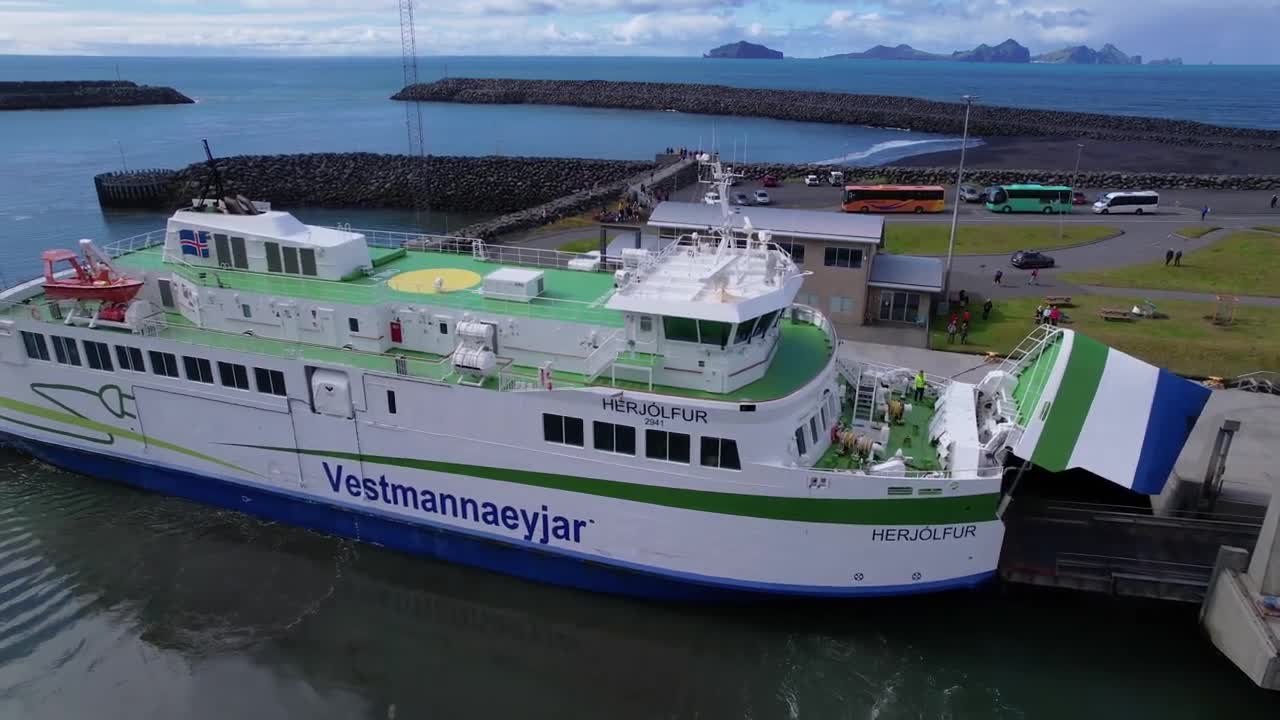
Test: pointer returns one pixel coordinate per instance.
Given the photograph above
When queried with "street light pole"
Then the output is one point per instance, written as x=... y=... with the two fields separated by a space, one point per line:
x=1074 y=173
x=955 y=209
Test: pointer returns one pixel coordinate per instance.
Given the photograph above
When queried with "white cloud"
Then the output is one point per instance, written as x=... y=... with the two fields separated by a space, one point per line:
x=648 y=28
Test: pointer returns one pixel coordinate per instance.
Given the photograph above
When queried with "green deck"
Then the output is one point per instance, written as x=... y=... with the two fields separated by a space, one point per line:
x=569 y=295
x=911 y=436
x=1032 y=379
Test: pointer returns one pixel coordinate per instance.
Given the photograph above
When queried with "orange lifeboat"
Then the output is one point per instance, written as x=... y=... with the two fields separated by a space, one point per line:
x=93 y=279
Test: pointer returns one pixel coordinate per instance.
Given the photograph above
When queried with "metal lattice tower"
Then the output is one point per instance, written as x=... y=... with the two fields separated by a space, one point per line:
x=409 y=60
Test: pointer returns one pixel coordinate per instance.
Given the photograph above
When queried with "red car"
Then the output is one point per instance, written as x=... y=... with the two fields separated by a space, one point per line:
x=1078 y=198
x=769 y=181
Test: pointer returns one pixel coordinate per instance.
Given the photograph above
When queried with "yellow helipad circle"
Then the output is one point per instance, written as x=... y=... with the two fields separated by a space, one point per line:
x=425 y=281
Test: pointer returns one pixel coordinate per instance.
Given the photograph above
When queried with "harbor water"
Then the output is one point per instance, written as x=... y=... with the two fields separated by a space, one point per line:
x=115 y=603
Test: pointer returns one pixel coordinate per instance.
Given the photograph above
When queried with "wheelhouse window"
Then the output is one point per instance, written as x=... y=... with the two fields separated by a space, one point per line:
x=766 y=321
x=198 y=369
x=163 y=363
x=270 y=382
x=680 y=329
x=130 y=358
x=98 y=355
x=844 y=257
x=233 y=375
x=65 y=350
x=562 y=430
x=720 y=453
x=712 y=332
x=669 y=446
x=36 y=347
x=801 y=446
x=613 y=438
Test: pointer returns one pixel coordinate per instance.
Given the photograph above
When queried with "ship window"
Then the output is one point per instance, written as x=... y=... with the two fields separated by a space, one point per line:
x=36 y=348
x=198 y=369
x=813 y=428
x=246 y=310
x=391 y=402
x=680 y=329
x=823 y=409
x=353 y=324
x=234 y=375
x=744 y=331
x=614 y=438
x=290 y=260
x=721 y=453
x=163 y=363
x=273 y=256
x=646 y=323
x=801 y=448
x=713 y=333
x=663 y=445
x=765 y=322
x=239 y=258
x=444 y=328
x=270 y=382
x=308 y=257
x=65 y=350
x=130 y=358
x=98 y=355
x=562 y=430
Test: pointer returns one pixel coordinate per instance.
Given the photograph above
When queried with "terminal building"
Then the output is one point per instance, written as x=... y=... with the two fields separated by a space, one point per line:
x=863 y=290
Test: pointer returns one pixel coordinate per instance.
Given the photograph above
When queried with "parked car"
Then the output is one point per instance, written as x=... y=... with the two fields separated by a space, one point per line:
x=711 y=198
x=740 y=198
x=812 y=180
x=836 y=178
x=1078 y=198
x=987 y=192
x=969 y=193
x=1031 y=259
x=762 y=198
x=769 y=181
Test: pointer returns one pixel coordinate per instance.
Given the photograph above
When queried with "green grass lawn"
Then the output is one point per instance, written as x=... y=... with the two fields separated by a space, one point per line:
x=920 y=239
x=1269 y=228
x=1185 y=342
x=1195 y=231
x=580 y=246
x=1244 y=263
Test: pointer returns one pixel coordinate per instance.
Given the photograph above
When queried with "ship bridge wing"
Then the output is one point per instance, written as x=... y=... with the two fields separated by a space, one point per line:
x=1085 y=405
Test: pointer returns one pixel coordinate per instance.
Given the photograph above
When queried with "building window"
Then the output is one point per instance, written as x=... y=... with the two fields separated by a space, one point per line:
x=801 y=447
x=841 y=305
x=669 y=446
x=36 y=347
x=844 y=257
x=308 y=257
x=198 y=369
x=808 y=298
x=391 y=402
x=163 y=363
x=270 y=382
x=562 y=430
x=614 y=438
x=720 y=453
x=130 y=358
x=899 y=306
x=98 y=355
x=794 y=249
x=233 y=375
x=65 y=350
x=246 y=310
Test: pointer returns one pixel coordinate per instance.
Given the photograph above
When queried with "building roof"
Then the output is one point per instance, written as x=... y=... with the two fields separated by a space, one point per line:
x=906 y=272
x=814 y=224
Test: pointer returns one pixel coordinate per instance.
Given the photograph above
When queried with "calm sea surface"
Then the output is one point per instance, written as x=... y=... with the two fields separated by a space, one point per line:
x=120 y=604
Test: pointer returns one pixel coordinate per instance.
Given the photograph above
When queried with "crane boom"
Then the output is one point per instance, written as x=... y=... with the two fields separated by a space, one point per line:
x=409 y=61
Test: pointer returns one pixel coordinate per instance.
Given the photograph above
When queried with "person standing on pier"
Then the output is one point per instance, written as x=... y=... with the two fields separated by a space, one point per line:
x=1274 y=199
x=1168 y=256
x=986 y=309
x=999 y=275
x=1177 y=259
x=1204 y=213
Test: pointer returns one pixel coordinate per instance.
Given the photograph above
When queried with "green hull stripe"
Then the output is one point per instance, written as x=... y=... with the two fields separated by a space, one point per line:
x=886 y=511
x=108 y=430
x=1071 y=405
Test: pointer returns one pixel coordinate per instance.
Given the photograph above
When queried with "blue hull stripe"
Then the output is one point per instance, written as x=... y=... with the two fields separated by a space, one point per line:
x=531 y=562
x=1174 y=409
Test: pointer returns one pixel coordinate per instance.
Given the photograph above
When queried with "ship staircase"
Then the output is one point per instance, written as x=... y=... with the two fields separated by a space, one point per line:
x=863 y=386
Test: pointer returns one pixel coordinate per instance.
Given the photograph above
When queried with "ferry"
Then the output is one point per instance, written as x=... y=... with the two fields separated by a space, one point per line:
x=667 y=424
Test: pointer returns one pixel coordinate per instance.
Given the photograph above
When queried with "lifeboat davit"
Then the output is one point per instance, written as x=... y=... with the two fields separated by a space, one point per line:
x=94 y=278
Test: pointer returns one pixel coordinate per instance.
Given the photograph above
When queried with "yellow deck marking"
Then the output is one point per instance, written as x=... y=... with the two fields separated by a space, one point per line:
x=424 y=281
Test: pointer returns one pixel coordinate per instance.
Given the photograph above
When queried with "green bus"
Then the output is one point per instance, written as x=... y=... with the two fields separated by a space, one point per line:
x=1030 y=198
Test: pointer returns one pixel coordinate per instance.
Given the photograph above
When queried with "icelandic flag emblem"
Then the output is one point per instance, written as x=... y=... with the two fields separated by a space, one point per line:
x=194 y=242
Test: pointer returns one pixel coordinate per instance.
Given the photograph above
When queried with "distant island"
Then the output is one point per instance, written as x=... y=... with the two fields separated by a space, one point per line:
x=64 y=94
x=1009 y=51
x=1084 y=55
x=742 y=50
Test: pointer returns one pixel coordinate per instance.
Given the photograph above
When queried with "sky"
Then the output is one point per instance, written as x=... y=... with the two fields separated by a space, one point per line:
x=1225 y=31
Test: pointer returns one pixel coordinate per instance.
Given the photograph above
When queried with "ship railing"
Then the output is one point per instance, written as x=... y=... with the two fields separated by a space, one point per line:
x=603 y=355
x=981 y=473
x=1023 y=358
x=134 y=243
x=807 y=314
x=478 y=249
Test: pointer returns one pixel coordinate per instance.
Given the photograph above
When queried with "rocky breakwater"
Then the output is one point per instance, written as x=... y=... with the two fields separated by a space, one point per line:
x=845 y=108
x=63 y=94
x=984 y=177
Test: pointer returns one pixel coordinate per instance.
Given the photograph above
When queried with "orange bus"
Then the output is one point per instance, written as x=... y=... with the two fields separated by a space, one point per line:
x=894 y=198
